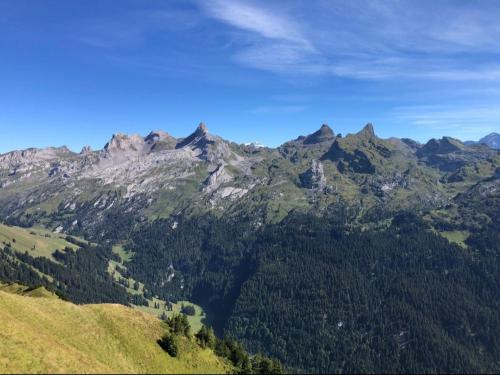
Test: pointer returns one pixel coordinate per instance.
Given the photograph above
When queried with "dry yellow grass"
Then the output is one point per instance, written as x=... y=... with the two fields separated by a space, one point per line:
x=48 y=335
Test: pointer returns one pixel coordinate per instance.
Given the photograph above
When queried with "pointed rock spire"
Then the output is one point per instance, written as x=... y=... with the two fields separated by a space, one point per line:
x=86 y=150
x=202 y=128
x=368 y=130
x=199 y=136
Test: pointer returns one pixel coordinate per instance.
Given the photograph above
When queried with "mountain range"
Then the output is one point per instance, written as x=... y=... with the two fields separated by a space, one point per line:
x=330 y=253
x=159 y=176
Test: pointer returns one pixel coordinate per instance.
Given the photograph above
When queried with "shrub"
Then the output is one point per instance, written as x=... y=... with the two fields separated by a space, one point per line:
x=188 y=310
x=206 y=337
x=169 y=343
x=179 y=325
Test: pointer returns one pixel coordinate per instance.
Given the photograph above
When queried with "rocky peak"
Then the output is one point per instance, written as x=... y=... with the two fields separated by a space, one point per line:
x=209 y=147
x=199 y=138
x=202 y=129
x=491 y=140
x=367 y=131
x=444 y=145
x=86 y=150
x=324 y=134
x=123 y=145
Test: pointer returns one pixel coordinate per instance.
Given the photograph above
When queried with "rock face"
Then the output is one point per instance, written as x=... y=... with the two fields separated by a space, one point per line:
x=368 y=131
x=216 y=179
x=445 y=145
x=208 y=147
x=324 y=134
x=314 y=178
x=86 y=150
x=491 y=140
x=160 y=140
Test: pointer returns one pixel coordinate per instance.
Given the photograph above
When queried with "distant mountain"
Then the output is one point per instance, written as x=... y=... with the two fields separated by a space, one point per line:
x=491 y=140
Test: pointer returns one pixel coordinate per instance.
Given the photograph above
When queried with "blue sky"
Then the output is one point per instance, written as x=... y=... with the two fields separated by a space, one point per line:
x=75 y=72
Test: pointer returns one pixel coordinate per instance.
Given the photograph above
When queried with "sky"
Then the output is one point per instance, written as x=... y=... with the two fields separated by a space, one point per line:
x=75 y=72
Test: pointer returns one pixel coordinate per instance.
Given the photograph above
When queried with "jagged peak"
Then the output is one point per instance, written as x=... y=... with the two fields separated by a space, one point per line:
x=202 y=129
x=200 y=135
x=121 y=142
x=368 y=130
x=444 y=145
x=86 y=150
x=324 y=134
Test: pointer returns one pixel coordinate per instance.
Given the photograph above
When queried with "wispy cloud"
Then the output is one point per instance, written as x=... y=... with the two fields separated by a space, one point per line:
x=367 y=39
x=257 y=20
x=361 y=39
x=274 y=41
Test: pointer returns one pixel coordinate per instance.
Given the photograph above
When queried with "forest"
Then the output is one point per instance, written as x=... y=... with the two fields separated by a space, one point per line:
x=326 y=298
x=79 y=276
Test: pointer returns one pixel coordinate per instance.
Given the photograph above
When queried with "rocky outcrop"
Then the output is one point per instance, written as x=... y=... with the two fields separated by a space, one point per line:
x=32 y=159
x=218 y=177
x=367 y=132
x=314 y=178
x=86 y=150
x=159 y=140
x=444 y=145
x=122 y=145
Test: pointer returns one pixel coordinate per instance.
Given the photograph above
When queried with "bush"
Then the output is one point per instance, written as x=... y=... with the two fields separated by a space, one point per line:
x=169 y=343
x=179 y=325
x=206 y=337
x=188 y=310
x=264 y=365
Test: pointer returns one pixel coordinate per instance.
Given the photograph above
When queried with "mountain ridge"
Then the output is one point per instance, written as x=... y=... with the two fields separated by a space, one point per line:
x=491 y=140
x=159 y=176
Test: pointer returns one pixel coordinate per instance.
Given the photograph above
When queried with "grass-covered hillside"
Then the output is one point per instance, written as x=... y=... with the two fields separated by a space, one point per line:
x=48 y=335
x=38 y=242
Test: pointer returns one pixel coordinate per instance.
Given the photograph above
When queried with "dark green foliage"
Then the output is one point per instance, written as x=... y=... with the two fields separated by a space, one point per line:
x=179 y=324
x=188 y=310
x=264 y=365
x=236 y=353
x=206 y=337
x=12 y=270
x=169 y=343
x=399 y=300
x=232 y=350
x=81 y=276
x=212 y=253
x=323 y=298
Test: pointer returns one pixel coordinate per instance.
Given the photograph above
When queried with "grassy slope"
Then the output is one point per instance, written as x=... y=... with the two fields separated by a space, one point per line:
x=196 y=321
x=48 y=335
x=458 y=237
x=37 y=242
